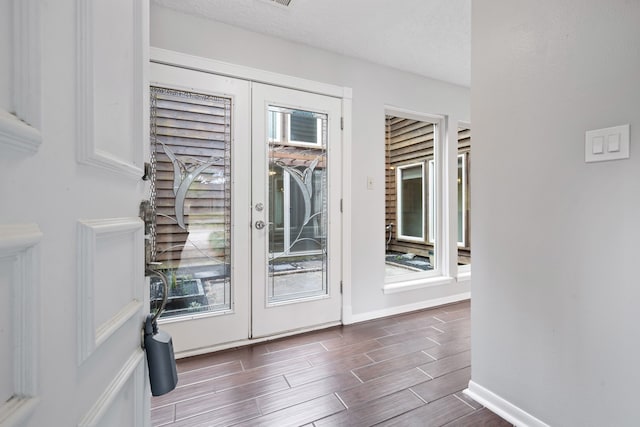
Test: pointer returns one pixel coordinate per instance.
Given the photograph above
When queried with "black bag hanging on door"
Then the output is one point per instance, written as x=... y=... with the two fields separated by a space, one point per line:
x=158 y=345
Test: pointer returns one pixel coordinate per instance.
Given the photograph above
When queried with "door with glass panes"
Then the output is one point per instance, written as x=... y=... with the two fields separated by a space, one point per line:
x=295 y=210
x=242 y=226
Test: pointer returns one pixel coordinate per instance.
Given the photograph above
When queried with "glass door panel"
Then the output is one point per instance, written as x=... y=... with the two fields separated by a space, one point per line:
x=190 y=179
x=298 y=204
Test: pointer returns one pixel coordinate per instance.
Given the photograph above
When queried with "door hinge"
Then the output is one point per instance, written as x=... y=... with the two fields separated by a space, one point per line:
x=340 y=205
x=340 y=286
x=341 y=123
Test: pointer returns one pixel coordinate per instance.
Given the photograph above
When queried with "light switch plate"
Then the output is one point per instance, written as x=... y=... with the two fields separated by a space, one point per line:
x=607 y=144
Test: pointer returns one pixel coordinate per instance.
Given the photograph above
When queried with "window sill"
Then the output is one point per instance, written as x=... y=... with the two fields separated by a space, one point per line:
x=464 y=276
x=410 y=285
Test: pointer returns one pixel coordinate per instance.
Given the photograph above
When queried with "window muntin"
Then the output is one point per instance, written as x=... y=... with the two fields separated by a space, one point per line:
x=410 y=193
x=294 y=127
x=432 y=201
x=462 y=199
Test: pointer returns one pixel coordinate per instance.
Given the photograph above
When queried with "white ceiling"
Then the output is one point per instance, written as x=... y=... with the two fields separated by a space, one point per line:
x=427 y=37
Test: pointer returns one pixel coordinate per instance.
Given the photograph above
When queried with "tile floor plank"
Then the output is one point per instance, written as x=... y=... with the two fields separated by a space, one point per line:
x=374 y=411
x=480 y=418
x=327 y=368
x=434 y=414
x=300 y=414
x=209 y=402
x=224 y=416
x=443 y=386
x=293 y=396
x=389 y=366
x=382 y=386
x=448 y=364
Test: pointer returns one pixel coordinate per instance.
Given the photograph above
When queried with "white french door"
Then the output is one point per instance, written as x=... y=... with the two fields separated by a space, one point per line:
x=295 y=210
x=247 y=220
x=200 y=193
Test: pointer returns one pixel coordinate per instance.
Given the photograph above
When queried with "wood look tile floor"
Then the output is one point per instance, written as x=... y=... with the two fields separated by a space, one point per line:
x=406 y=370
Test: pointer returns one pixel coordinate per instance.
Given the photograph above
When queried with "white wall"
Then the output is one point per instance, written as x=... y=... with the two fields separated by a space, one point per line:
x=555 y=315
x=5 y=50
x=373 y=87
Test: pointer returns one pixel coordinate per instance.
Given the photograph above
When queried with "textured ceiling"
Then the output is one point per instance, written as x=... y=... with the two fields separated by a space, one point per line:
x=427 y=37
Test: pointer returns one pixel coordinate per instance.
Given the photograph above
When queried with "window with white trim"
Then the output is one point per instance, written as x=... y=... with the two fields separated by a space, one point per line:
x=412 y=196
x=464 y=200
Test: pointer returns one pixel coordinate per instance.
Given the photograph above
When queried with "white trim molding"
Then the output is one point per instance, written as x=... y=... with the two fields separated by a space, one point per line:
x=196 y=63
x=88 y=151
x=131 y=373
x=502 y=407
x=20 y=244
x=19 y=127
x=350 y=318
x=27 y=101
x=413 y=284
x=90 y=335
x=16 y=134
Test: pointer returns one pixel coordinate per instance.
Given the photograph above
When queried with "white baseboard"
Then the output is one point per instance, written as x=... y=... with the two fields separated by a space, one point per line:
x=350 y=318
x=501 y=407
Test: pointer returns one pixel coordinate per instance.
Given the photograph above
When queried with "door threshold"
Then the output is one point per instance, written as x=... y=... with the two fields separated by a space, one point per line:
x=251 y=341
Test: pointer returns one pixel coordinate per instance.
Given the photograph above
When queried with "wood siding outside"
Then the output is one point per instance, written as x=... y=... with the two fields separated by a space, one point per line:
x=196 y=128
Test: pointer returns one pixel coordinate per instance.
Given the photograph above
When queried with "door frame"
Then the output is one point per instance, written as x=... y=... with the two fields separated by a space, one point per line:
x=206 y=65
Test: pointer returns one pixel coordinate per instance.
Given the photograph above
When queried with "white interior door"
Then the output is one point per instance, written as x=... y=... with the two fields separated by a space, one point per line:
x=200 y=192
x=73 y=126
x=296 y=147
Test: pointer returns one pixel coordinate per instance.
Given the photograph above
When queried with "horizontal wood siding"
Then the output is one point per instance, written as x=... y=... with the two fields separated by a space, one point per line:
x=196 y=128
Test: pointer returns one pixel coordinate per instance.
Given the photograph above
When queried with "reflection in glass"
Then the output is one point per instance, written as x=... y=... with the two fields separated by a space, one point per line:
x=461 y=200
x=464 y=204
x=297 y=204
x=191 y=199
x=410 y=197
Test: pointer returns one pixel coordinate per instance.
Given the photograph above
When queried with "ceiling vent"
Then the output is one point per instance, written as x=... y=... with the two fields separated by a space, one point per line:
x=284 y=3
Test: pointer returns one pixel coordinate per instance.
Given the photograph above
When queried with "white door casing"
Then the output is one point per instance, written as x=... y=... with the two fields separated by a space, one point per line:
x=73 y=134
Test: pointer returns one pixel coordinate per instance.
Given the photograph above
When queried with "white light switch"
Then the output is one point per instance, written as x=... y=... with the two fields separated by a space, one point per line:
x=597 y=147
x=607 y=144
x=613 y=143
x=369 y=183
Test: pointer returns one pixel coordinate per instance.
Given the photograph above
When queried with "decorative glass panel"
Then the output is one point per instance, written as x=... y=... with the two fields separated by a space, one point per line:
x=297 y=204
x=191 y=198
